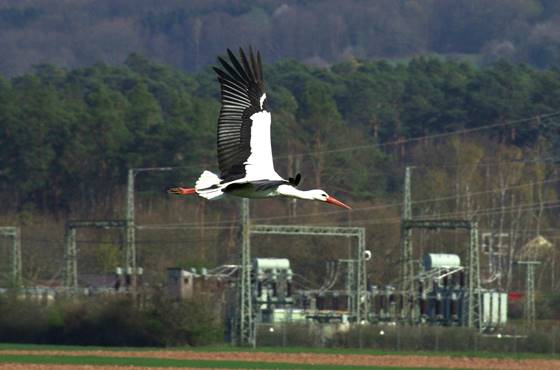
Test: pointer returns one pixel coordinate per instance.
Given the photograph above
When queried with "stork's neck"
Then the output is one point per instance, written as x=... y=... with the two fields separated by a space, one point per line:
x=290 y=191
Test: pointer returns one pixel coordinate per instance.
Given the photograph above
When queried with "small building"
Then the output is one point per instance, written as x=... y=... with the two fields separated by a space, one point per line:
x=183 y=284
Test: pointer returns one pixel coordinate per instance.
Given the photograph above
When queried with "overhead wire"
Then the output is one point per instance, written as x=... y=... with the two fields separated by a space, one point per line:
x=357 y=209
x=409 y=140
x=425 y=137
x=227 y=224
x=481 y=212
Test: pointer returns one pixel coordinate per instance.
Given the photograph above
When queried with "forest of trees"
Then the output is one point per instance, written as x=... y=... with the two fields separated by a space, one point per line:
x=189 y=34
x=70 y=135
x=484 y=143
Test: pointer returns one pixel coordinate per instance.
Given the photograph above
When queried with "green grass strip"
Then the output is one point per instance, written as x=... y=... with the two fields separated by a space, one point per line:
x=163 y=362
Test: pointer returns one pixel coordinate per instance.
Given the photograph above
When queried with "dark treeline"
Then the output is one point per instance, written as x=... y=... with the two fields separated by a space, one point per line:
x=110 y=321
x=70 y=135
x=188 y=35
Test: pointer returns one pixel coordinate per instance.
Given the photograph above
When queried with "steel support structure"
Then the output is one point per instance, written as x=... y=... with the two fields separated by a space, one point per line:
x=360 y=309
x=406 y=277
x=350 y=282
x=130 y=229
x=530 y=312
x=130 y=243
x=471 y=308
x=70 y=250
x=245 y=324
x=14 y=233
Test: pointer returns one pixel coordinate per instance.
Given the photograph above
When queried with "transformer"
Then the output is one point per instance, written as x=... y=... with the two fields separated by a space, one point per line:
x=272 y=288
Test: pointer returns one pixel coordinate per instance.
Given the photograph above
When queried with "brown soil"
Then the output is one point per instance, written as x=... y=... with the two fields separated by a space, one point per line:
x=305 y=358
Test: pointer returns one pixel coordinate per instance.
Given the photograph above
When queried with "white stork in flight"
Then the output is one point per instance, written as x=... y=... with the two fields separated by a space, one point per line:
x=244 y=150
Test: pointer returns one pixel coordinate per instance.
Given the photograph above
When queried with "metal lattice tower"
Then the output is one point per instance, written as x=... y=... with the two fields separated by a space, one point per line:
x=70 y=258
x=530 y=312
x=407 y=263
x=246 y=324
x=14 y=233
x=360 y=309
x=70 y=250
x=471 y=308
x=473 y=269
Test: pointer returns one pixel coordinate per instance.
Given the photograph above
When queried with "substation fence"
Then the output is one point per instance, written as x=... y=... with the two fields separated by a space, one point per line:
x=407 y=338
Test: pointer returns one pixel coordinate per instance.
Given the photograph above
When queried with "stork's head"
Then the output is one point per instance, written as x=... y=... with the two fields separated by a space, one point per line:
x=321 y=195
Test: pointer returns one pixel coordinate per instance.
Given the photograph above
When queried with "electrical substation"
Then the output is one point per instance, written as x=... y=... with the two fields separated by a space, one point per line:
x=437 y=288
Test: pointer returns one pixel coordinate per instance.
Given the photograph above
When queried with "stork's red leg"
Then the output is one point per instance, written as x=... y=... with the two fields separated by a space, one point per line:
x=182 y=191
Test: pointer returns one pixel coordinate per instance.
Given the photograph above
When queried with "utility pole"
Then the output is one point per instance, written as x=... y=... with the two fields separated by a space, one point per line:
x=130 y=245
x=246 y=324
x=14 y=233
x=130 y=229
x=530 y=312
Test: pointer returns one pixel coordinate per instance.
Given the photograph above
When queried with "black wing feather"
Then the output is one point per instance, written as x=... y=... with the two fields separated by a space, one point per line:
x=242 y=87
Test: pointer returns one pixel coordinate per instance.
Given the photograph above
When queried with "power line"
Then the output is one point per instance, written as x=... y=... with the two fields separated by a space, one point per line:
x=395 y=142
x=403 y=141
x=487 y=164
x=425 y=137
x=358 y=209
x=478 y=213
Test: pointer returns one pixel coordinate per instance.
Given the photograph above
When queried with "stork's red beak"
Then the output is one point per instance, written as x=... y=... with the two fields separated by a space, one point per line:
x=182 y=191
x=336 y=202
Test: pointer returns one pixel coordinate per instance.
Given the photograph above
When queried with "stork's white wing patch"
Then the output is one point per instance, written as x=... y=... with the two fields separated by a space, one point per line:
x=259 y=165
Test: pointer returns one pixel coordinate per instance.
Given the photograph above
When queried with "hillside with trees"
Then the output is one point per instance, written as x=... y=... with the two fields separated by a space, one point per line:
x=188 y=35
x=70 y=135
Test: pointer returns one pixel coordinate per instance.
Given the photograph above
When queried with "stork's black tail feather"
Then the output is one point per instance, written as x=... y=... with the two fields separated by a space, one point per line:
x=295 y=181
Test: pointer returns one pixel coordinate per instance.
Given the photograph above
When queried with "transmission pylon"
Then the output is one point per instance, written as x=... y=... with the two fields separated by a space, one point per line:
x=407 y=263
x=246 y=333
x=474 y=297
x=530 y=311
x=70 y=259
x=15 y=254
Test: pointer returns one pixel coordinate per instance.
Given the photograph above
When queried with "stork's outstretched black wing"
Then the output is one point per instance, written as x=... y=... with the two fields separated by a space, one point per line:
x=244 y=149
